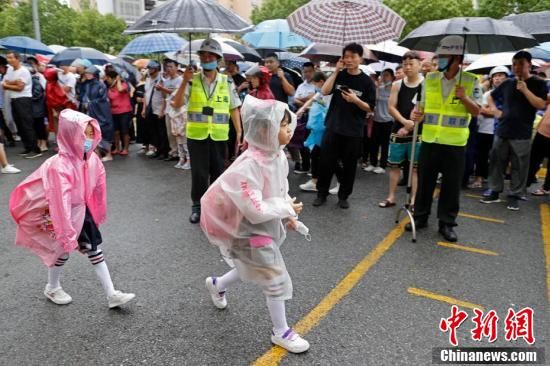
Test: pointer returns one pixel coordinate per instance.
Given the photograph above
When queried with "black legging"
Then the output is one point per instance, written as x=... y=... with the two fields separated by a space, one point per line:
x=484 y=145
x=380 y=140
x=540 y=149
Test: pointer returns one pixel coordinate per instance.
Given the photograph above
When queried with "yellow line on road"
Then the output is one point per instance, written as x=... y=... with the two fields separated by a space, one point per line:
x=276 y=353
x=545 y=223
x=466 y=248
x=482 y=218
x=473 y=195
x=443 y=298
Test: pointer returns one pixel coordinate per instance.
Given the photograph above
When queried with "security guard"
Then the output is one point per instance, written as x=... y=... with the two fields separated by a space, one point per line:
x=211 y=100
x=449 y=99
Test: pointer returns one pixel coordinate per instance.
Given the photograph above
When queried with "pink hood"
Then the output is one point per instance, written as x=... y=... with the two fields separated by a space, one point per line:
x=49 y=206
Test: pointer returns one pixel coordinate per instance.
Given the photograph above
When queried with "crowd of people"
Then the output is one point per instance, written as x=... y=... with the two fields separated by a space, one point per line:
x=466 y=131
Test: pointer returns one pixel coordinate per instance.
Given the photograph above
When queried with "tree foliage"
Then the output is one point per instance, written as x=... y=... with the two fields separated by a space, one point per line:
x=499 y=8
x=62 y=25
x=275 y=9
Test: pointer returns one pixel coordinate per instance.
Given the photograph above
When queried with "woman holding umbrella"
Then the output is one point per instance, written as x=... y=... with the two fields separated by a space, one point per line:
x=95 y=102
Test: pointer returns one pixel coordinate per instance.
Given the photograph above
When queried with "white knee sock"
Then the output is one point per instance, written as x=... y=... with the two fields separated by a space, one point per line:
x=54 y=273
x=102 y=271
x=227 y=280
x=277 y=312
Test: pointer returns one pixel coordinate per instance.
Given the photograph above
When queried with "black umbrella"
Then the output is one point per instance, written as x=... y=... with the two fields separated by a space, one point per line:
x=67 y=56
x=536 y=24
x=249 y=53
x=331 y=53
x=481 y=35
x=190 y=16
x=126 y=70
x=266 y=51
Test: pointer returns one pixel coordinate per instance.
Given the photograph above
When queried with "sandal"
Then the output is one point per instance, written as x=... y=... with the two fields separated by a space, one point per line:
x=540 y=192
x=124 y=153
x=386 y=203
x=115 y=152
x=475 y=185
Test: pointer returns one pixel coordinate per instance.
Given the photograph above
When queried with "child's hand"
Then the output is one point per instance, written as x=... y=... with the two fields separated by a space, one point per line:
x=292 y=224
x=297 y=206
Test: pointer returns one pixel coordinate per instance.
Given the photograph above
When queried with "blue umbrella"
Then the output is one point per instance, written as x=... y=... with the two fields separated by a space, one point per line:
x=25 y=45
x=67 y=56
x=541 y=52
x=154 y=43
x=274 y=34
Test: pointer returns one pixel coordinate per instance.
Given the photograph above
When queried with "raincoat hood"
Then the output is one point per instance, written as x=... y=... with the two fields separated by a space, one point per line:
x=50 y=75
x=71 y=134
x=262 y=122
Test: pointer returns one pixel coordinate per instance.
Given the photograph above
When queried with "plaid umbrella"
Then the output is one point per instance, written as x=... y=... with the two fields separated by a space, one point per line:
x=153 y=43
x=291 y=60
x=340 y=22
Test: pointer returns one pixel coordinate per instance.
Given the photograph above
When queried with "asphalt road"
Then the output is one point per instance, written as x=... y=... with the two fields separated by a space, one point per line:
x=152 y=250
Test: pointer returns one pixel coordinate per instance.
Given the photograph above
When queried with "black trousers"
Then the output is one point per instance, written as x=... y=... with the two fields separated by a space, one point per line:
x=335 y=148
x=380 y=142
x=315 y=161
x=21 y=109
x=40 y=128
x=158 y=135
x=539 y=150
x=484 y=145
x=5 y=129
x=208 y=158
x=450 y=162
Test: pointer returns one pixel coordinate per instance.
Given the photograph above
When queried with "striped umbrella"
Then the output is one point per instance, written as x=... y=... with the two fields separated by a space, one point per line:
x=154 y=43
x=340 y=22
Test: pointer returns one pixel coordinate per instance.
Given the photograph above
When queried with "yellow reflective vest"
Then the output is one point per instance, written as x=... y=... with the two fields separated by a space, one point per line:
x=446 y=121
x=214 y=120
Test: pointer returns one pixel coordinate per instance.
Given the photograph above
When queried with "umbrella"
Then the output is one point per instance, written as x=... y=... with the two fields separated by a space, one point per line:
x=536 y=24
x=542 y=51
x=57 y=48
x=291 y=60
x=153 y=43
x=378 y=67
x=182 y=57
x=66 y=57
x=266 y=51
x=274 y=33
x=482 y=35
x=245 y=65
x=229 y=53
x=340 y=22
x=126 y=70
x=25 y=45
x=189 y=16
x=487 y=62
x=388 y=51
x=331 y=53
x=249 y=53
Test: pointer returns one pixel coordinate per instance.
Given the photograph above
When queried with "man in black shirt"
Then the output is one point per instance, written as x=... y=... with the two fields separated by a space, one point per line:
x=280 y=83
x=353 y=96
x=521 y=98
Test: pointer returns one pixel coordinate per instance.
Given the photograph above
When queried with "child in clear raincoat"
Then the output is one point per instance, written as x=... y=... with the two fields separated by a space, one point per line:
x=59 y=207
x=178 y=122
x=246 y=212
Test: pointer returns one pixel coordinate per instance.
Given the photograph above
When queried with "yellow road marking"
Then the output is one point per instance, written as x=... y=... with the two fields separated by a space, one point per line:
x=545 y=222
x=443 y=298
x=482 y=218
x=473 y=195
x=276 y=353
x=466 y=248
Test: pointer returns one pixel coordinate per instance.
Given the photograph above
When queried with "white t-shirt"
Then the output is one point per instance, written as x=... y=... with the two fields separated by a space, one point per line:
x=68 y=80
x=304 y=89
x=486 y=124
x=24 y=75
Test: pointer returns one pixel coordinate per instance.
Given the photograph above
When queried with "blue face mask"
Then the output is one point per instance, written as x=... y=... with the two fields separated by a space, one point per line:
x=442 y=64
x=209 y=65
x=88 y=144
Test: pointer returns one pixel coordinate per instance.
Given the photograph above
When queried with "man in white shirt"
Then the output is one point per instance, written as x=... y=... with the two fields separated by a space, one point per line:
x=18 y=84
x=68 y=82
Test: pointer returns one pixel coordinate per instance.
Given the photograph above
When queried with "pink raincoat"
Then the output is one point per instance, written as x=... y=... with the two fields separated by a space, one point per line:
x=49 y=206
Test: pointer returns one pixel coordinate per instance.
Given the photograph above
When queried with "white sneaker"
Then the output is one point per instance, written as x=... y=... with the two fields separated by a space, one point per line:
x=334 y=191
x=57 y=295
x=187 y=165
x=291 y=341
x=10 y=169
x=309 y=186
x=150 y=152
x=119 y=298
x=369 y=168
x=107 y=158
x=218 y=299
x=178 y=165
x=379 y=170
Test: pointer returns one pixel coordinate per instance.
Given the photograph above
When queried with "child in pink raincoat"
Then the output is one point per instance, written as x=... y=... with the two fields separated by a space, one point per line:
x=59 y=207
x=246 y=212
